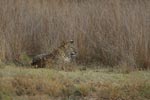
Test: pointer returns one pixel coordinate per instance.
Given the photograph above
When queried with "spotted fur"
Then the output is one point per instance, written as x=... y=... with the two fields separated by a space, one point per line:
x=65 y=53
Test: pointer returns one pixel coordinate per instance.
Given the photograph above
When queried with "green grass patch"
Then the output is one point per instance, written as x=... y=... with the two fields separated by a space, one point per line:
x=17 y=82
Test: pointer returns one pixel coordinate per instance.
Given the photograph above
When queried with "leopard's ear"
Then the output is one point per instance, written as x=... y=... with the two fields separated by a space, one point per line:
x=71 y=41
x=63 y=43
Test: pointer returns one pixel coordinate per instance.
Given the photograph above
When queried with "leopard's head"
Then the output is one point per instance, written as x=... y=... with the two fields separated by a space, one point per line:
x=69 y=50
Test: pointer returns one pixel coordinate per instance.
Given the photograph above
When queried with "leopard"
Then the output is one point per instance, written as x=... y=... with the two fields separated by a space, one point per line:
x=63 y=54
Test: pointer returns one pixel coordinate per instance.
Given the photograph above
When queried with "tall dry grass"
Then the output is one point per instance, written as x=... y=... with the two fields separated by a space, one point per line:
x=111 y=32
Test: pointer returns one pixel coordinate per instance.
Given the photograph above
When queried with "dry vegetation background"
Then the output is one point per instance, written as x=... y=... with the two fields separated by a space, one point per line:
x=110 y=32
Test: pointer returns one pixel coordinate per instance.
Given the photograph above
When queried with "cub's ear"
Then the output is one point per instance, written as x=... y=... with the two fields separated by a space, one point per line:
x=71 y=41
